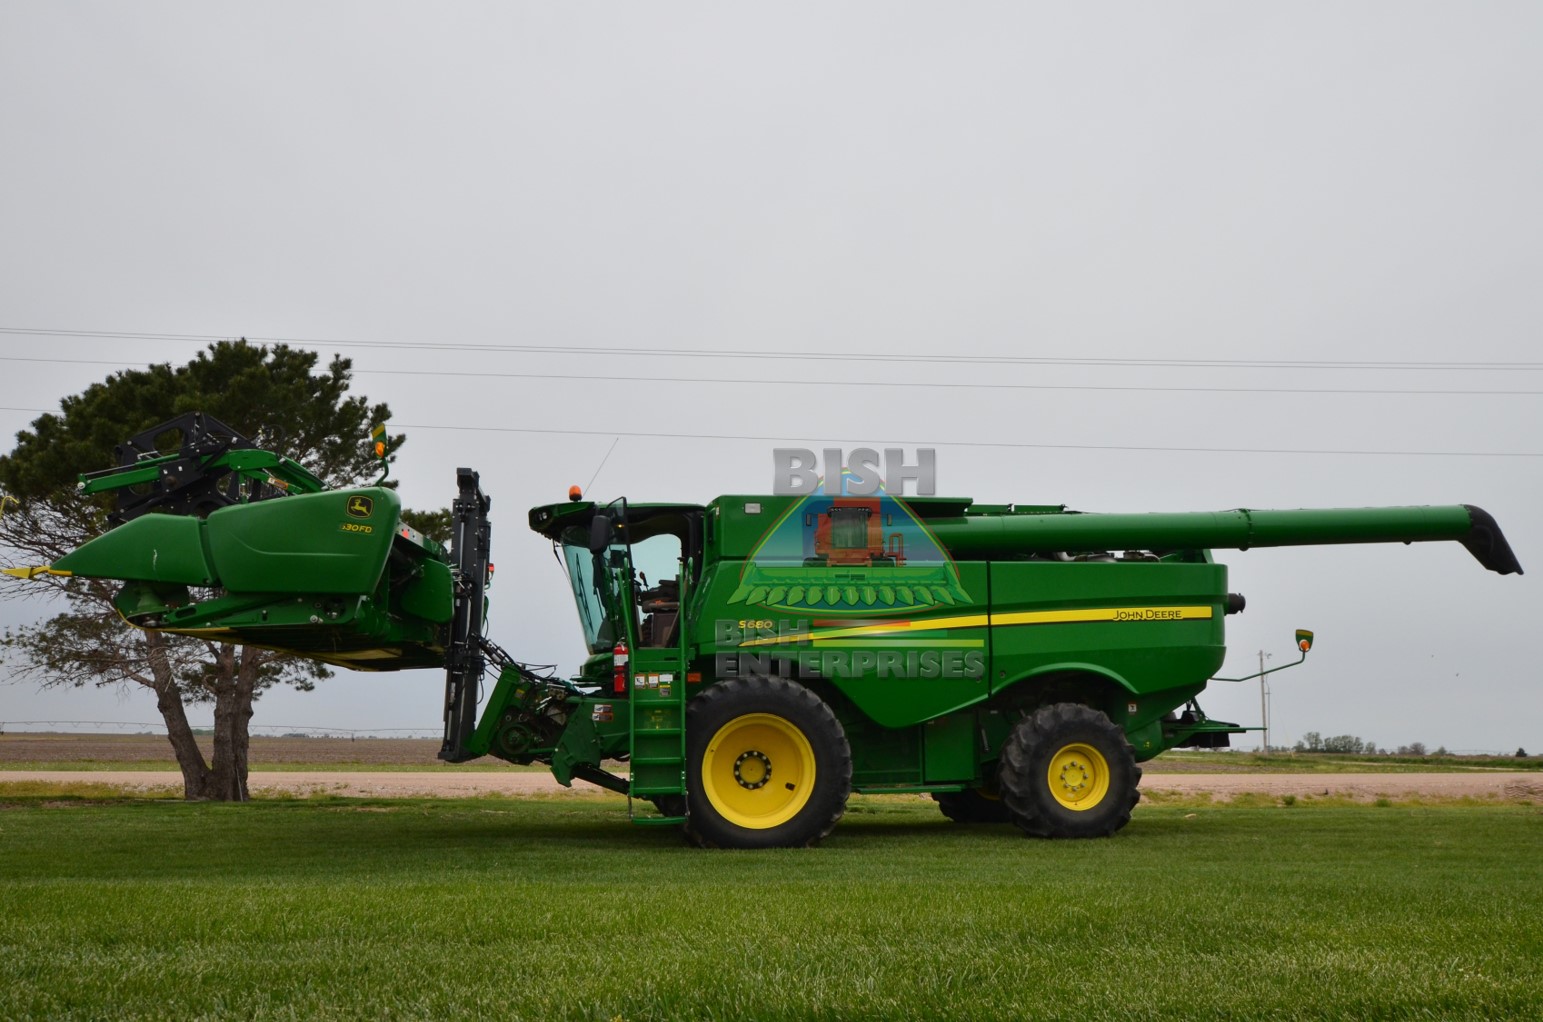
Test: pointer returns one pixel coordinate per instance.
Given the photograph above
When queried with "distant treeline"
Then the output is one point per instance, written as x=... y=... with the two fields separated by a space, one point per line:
x=1312 y=741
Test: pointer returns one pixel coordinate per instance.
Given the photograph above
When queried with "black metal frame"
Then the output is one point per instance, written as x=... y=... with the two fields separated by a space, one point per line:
x=465 y=659
x=190 y=484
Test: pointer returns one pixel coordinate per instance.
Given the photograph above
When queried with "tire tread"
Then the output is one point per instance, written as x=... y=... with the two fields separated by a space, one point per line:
x=726 y=697
x=1021 y=762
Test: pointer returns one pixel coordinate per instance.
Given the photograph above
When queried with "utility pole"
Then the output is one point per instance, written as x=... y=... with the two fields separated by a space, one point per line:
x=1264 y=704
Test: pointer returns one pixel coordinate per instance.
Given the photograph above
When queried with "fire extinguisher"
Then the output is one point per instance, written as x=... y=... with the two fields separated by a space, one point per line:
x=619 y=664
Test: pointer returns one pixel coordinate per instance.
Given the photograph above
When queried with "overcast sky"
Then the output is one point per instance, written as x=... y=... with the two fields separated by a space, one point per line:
x=1153 y=185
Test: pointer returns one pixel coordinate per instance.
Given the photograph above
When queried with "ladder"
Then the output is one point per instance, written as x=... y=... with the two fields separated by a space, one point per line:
x=657 y=705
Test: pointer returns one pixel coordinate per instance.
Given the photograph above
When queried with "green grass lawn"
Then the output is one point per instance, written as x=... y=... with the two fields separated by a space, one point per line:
x=542 y=909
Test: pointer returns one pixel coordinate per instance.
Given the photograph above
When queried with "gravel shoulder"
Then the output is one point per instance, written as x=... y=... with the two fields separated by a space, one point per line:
x=361 y=784
x=1498 y=785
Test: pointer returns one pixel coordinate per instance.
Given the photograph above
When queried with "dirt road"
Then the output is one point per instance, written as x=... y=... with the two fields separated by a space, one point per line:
x=1498 y=784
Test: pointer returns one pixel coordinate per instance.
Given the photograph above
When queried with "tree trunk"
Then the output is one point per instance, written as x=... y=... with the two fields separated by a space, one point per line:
x=233 y=682
x=232 y=711
x=196 y=775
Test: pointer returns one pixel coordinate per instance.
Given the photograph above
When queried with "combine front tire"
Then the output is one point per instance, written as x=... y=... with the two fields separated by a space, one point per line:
x=1068 y=771
x=767 y=765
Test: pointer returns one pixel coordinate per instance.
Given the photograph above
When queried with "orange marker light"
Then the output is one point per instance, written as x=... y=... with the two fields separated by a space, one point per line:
x=574 y=493
x=380 y=449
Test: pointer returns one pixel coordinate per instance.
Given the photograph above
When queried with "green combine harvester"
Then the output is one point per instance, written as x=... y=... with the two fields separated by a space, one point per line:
x=1017 y=662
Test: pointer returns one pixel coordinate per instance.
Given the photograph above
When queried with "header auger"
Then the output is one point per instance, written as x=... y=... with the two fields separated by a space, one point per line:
x=755 y=659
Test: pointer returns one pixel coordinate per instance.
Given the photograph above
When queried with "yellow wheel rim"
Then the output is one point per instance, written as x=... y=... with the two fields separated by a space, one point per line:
x=1079 y=776
x=758 y=771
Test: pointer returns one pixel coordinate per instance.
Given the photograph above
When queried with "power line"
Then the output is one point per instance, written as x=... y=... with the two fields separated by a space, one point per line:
x=940 y=443
x=913 y=443
x=976 y=443
x=959 y=386
x=829 y=356
x=931 y=384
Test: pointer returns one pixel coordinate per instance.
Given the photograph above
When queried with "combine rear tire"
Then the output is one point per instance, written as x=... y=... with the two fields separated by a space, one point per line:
x=976 y=805
x=1068 y=771
x=670 y=805
x=767 y=765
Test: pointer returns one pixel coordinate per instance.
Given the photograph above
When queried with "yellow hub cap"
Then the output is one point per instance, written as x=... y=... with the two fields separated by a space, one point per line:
x=758 y=771
x=1079 y=776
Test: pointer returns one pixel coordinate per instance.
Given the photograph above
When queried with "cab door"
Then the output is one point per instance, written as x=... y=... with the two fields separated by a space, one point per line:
x=613 y=569
x=655 y=681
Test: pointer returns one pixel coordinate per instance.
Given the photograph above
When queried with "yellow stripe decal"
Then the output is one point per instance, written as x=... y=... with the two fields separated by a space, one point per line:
x=1051 y=617
x=820 y=640
x=1025 y=617
x=887 y=628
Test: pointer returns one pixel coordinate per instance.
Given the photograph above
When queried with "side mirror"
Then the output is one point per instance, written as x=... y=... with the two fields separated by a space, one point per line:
x=599 y=532
x=1304 y=640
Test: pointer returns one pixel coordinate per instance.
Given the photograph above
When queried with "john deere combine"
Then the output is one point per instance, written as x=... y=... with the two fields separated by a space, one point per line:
x=1015 y=661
